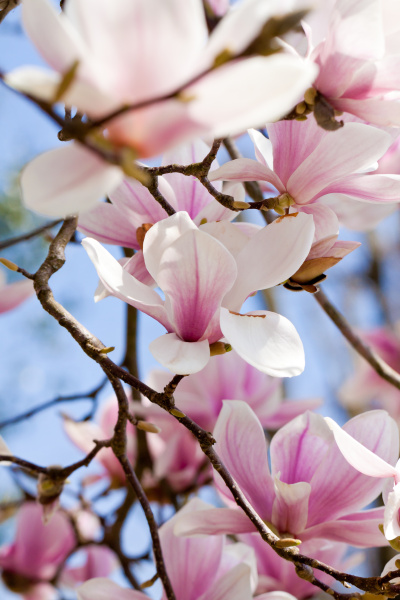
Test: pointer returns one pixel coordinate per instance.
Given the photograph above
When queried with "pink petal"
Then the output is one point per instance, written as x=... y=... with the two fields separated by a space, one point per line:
x=67 y=180
x=122 y=285
x=246 y=169
x=195 y=273
x=13 y=294
x=214 y=521
x=371 y=188
x=359 y=456
x=288 y=410
x=290 y=509
x=137 y=204
x=266 y=340
x=104 y=589
x=360 y=146
x=178 y=356
x=109 y=225
x=293 y=235
x=253 y=104
x=358 y=529
x=391 y=521
x=242 y=446
x=379 y=111
x=229 y=234
x=234 y=585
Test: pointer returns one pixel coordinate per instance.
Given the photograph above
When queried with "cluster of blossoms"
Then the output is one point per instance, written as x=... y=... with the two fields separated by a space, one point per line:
x=320 y=99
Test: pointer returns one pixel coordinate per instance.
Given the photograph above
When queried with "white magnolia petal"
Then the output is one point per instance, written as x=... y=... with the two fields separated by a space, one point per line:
x=391 y=524
x=161 y=236
x=67 y=180
x=283 y=245
x=358 y=455
x=104 y=589
x=267 y=341
x=182 y=358
x=272 y=86
x=123 y=285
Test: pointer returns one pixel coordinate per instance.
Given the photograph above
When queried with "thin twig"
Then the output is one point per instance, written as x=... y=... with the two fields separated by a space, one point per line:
x=376 y=362
x=29 y=235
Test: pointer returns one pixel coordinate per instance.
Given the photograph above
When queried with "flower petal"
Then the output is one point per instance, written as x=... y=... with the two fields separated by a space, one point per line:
x=290 y=509
x=67 y=180
x=214 y=521
x=234 y=585
x=292 y=235
x=178 y=356
x=246 y=169
x=13 y=294
x=266 y=340
x=391 y=524
x=104 y=589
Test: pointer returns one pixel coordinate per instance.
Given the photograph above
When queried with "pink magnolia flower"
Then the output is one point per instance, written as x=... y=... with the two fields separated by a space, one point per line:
x=198 y=568
x=297 y=497
x=365 y=389
x=206 y=274
x=358 y=60
x=32 y=560
x=13 y=294
x=369 y=462
x=98 y=561
x=313 y=168
x=157 y=58
x=84 y=432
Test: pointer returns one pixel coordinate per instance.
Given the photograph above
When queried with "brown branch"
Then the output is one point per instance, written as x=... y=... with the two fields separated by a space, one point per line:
x=29 y=235
x=6 y=6
x=376 y=362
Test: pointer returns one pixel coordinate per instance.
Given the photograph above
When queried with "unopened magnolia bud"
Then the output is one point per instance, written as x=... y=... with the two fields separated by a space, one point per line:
x=305 y=572
x=149 y=427
x=279 y=210
x=287 y=543
x=177 y=413
x=395 y=543
x=301 y=118
x=239 y=205
x=219 y=348
x=285 y=200
x=10 y=265
x=300 y=108
x=107 y=350
x=397 y=563
x=310 y=95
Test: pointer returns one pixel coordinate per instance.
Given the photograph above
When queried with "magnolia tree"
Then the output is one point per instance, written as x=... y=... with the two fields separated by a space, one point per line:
x=246 y=494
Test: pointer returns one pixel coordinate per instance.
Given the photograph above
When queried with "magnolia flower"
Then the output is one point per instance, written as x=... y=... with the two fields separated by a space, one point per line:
x=297 y=498
x=358 y=58
x=365 y=389
x=156 y=58
x=206 y=274
x=32 y=560
x=13 y=294
x=198 y=568
x=369 y=462
x=309 y=168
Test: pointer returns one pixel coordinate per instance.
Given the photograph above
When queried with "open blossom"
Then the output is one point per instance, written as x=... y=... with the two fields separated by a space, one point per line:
x=357 y=60
x=297 y=497
x=13 y=294
x=370 y=462
x=365 y=389
x=310 y=169
x=206 y=274
x=32 y=560
x=157 y=58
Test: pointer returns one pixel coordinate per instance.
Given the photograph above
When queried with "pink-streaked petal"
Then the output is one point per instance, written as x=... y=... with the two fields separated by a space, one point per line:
x=13 y=294
x=195 y=273
x=178 y=356
x=251 y=105
x=214 y=211
x=105 y=589
x=83 y=433
x=342 y=248
x=67 y=181
x=234 y=585
x=359 y=456
x=290 y=509
x=52 y=34
x=293 y=235
x=122 y=285
x=326 y=228
x=391 y=523
x=379 y=111
x=263 y=148
x=109 y=225
x=357 y=215
x=300 y=447
x=266 y=340
x=360 y=146
x=136 y=267
x=100 y=561
x=41 y=591
x=161 y=236
x=246 y=169
x=371 y=188
x=288 y=410
x=229 y=234
x=214 y=521
x=242 y=446
x=358 y=529
x=192 y=563
x=168 y=36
